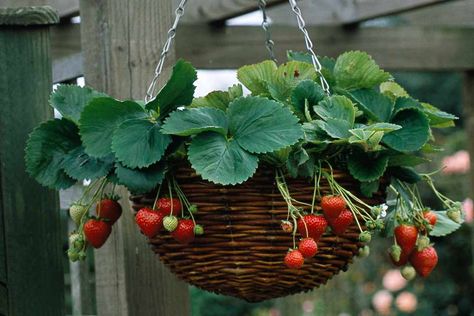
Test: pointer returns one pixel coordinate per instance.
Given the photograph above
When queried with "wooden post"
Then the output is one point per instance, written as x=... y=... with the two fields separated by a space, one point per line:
x=121 y=42
x=31 y=256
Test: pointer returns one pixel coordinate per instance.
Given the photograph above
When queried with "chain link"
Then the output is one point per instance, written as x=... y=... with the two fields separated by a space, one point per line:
x=269 y=43
x=159 y=67
x=309 y=45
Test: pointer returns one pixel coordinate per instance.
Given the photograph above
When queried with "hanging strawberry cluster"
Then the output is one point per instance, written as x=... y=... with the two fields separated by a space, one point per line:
x=174 y=215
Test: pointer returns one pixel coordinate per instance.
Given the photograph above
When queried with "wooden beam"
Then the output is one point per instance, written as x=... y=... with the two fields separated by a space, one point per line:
x=216 y=11
x=401 y=48
x=121 y=41
x=31 y=274
x=65 y=8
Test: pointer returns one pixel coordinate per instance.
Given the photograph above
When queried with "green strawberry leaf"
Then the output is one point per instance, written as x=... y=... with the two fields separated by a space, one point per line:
x=335 y=128
x=366 y=166
x=140 y=180
x=438 y=118
x=414 y=133
x=383 y=127
x=369 y=188
x=220 y=160
x=287 y=77
x=306 y=91
x=406 y=160
x=70 y=100
x=260 y=125
x=218 y=99
x=376 y=106
x=46 y=149
x=297 y=158
x=356 y=70
x=178 y=91
x=99 y=120
x=336 y=107
x=299 y=56
x=406 y=103
x=405 y=174
x=194 y=121
x=444 y=225
x=80 y=166
x=138 y=143
x=256 y=77
x=392 y=90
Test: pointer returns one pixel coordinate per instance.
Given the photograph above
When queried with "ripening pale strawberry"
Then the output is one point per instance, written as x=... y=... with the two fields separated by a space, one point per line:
x=332 y=205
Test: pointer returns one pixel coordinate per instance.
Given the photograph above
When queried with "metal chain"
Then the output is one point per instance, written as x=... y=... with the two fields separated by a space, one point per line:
x=309 y=45
x=269 y=43
x=171 y=34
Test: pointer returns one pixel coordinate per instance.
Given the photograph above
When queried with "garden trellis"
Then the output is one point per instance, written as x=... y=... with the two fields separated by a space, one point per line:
x=227 y=44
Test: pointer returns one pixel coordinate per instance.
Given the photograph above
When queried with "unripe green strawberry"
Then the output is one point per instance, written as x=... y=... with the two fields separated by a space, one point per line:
x=365 y=236
x=193 y=209
x=73 y=255
x=408 y=272
x=395 y=252
x=76 y=241
x=422 y=243
x=76 y=211
x=376 y=210
x=198 y=230
x=82 y=255
x=454 y=215
x=364 y=251
x=170 y=223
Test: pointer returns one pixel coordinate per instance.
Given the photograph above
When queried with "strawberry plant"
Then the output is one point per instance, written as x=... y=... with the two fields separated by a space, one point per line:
x=367 y=126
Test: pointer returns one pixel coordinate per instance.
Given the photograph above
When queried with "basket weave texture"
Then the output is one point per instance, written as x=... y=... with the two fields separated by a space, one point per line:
x=241 y=253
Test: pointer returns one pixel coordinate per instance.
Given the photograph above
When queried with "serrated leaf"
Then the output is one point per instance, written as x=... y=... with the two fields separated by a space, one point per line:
x=138 y=143
x=393 y=90
x=220 y=160
x=299 y=56
x=80 y=166
x=298 y=157
x=376 y=106
x=99 y=120
x=406 y=160
x=444 y=225
x=255 y=77
x=369 y=188
x=367 y=166
x=194 y=121
x=260 y=125
x=405 y=174
x=414 y=133
x=336 y=107
x=287 y=77
x=406 y=103
x=70 y=100
x=383 y=127
x=306 y=91
x=178 y=91
x=356 y=70
x=335 y=128
x=141 y=180
x=438 y=118
x=218 y=99
x=46 y=149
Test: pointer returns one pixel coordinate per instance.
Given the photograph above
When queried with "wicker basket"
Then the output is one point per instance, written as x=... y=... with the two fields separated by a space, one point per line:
x=241 y=253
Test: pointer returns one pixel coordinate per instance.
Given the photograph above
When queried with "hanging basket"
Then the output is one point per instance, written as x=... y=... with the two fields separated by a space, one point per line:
x=241 y=253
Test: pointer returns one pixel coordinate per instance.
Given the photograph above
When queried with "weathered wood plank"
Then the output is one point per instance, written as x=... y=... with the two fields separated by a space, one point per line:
x=121 y=42
x=454 y=14
x=402 y=48
x=31 y=226
x=65 y=8
x=28 y=16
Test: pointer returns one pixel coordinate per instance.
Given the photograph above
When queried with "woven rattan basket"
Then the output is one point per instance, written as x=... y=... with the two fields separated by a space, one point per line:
x=241 y=253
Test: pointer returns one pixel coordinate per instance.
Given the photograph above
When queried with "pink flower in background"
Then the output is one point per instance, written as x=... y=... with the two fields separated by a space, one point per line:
x=393 y=280
x=382 y=301
x=457 y=163
x=468 y=208
x=308 y=306
x=406 y=302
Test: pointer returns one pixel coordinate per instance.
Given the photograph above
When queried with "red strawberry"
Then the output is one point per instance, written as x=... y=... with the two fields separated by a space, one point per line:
x=332 y=205
x=308 y=247
x=164 y=205
x=316 y=225
x=294 y=259
x=342 y=222
x=184 y=233
x=406 y=236
x=430 y=217
x=149 y=221
x=424 y=261
x=109 y=209
x=97 y=231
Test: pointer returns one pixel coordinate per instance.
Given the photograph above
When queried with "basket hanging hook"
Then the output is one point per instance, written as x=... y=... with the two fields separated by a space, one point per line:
x=166 y=47
x=269 y=43
x=309 y=45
